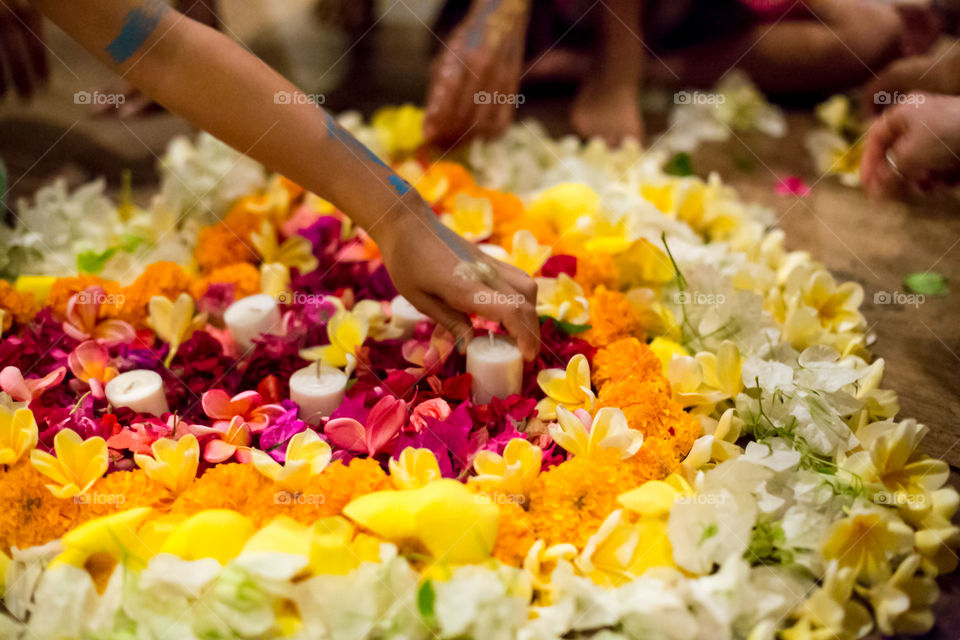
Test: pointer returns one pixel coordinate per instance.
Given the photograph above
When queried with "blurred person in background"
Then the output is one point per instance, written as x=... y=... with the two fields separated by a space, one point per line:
x=612 y=48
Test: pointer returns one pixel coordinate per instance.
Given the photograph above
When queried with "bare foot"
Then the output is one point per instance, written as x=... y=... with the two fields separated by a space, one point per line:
x=610 y=113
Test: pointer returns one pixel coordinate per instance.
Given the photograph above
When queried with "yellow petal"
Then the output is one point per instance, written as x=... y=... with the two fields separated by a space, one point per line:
x=282 y=535
x=114 y=535
x=215 y=533
x=414 y=468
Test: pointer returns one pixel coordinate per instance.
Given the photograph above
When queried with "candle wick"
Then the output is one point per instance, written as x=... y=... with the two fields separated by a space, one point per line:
x=130 y=387
x=490 y=336
x=319 y=367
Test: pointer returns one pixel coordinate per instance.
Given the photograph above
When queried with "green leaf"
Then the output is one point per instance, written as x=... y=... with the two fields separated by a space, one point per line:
x=426 y=597
x=679 y=165
x=567 y=327
x=92 y=261
x=927 y=284
x=130 y=242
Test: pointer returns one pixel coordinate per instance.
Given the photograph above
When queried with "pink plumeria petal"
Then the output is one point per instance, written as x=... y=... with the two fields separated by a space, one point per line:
x=384 y=422
x=346 y=433
x=88 y=360
x=12 y=382
x=114 y=331
x=216 y=404
x=245 y=402
x=218 y=451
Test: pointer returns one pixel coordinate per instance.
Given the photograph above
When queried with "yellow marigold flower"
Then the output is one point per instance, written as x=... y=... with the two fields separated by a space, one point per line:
x=399 y=129
x=515 y=535
x=77 y=465
x=203 y=536
x=307 y=455
x=110 y=540
x=562 y=298
x=174 y=322
x=526 y=253
x=18 y=434
x=174 y=462
x=295 y=251
x=347 y=331
x=452 y=523
x=414 y=468
x=470 y=217
x=609 y=430
x=514 y=472
x=867 y=541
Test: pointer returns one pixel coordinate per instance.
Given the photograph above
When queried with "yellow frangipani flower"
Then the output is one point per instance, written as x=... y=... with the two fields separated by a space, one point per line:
x=471 y=217
x=283 y=534
x=453 y=524
x=174 y=322
x=295 y=251
x=564 y=204
x=347 y=331
x=39 y=286
x=635 y=538
x=514 y=472
x=77 y=465
x=173 y=463
x=541 y=560
x=274 y=200
x=376 y=317
x=562 y=299
x=902 y=604
x=666 y=350
x=414 y=468
x=112 y=537
x=399 y=129
x=336 y=548
x=608 y=430
x=707 y=378
x=830 y=612
x=866 y=541
x=275 y=279
x=526 y=253
x=18 y=434
x=202 y=535
x=568 y=388
x=644 y=263
x=307 y=455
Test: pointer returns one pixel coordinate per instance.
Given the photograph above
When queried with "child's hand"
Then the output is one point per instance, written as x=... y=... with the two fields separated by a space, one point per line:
x=475 y=79
x=915 y=144
x=448 y=278
x=22 y=51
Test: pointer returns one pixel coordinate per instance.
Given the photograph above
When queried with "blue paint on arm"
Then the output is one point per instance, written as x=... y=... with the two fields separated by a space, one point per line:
x=138 y=24
x=399 y=184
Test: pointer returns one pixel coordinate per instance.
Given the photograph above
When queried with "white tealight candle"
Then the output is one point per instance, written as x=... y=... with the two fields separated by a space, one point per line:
x=140 y=390
x=318 y=391
x=250 y=317
x=405 y=316
x=496 y=365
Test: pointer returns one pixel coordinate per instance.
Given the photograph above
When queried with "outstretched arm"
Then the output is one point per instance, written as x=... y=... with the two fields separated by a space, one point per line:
x=214 y=83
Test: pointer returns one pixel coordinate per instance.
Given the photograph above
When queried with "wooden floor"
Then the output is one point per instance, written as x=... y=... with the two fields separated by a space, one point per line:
x=874 y=244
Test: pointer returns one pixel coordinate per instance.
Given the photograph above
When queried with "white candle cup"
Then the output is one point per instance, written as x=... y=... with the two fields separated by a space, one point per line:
x=140 y=390
x=496 y=365
x=405 y=316
x=250 y=317
x=318 y=391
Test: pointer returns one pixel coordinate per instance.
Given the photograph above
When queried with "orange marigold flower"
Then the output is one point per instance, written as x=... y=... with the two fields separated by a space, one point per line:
x=507 y=207
x=15 y=305
x=596 y=269
x=122 y=490
x=611 y=317
x=29 y=514
x=229 y=241
x=158 y=279
x=543 y=232
x=236 y=486
x=569 y=502
x=338 y=486
x=242 y=275
x=649 y=408
x=515 y=535
x=64 y=288
x=626 y=357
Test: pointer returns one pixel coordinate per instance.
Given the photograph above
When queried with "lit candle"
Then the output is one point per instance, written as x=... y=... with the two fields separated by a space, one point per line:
x=250 y=317
x=405 y=316
x=140 y=390
x=318 y=391
x=496 y=365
